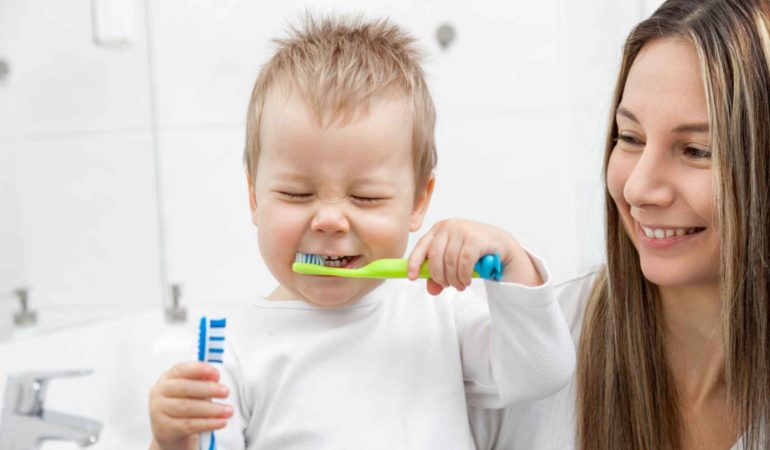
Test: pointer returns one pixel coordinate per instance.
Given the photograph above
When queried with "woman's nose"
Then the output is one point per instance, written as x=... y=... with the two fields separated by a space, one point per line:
x=330 y=218
x=650 y=183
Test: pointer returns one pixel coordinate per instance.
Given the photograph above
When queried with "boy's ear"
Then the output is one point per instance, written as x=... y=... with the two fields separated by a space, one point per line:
x=421 y=202
x=252 y=200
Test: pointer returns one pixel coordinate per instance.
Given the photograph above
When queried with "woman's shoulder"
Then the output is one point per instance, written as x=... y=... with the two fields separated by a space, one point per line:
x=572 y=296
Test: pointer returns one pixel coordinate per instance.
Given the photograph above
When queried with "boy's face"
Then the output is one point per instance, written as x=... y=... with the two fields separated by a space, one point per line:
x=340 y=191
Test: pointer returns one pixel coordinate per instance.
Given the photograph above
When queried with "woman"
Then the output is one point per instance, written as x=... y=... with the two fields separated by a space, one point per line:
x=673 y=334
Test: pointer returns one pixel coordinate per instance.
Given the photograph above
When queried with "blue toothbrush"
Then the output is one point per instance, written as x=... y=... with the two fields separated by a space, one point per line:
x=211 y=349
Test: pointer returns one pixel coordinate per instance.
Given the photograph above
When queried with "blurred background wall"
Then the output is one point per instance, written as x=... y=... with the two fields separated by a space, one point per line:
x=121 y=135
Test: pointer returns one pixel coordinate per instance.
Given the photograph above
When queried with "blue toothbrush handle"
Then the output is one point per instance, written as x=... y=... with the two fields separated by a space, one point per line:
x=207 y=441
x=489 y=267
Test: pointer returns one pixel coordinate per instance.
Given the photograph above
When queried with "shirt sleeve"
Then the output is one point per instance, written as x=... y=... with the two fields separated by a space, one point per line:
x=516 y=345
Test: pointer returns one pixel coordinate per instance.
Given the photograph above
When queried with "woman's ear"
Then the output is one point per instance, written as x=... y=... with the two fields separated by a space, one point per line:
x=252 y=200
x=421 y=203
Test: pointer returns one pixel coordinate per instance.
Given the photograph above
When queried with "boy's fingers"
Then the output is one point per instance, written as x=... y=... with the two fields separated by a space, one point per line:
x=198 y=409
x=433 y=288
x=194 y=370
x=451 y=261
x=181 y=388
x=418 y=255
x=436 y=259
x=468 y=258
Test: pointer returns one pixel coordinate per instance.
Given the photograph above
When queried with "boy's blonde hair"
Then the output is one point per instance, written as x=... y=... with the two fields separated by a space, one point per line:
x=340 y=65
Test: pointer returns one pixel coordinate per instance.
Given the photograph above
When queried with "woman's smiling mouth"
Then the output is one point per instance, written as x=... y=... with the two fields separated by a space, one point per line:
x=660 y=237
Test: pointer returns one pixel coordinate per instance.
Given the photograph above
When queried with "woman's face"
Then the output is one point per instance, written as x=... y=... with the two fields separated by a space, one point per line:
x=659 y=172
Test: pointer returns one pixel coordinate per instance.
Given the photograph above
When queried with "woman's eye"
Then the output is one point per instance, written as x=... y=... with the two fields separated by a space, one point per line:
x=697 y=153
x=629 y=140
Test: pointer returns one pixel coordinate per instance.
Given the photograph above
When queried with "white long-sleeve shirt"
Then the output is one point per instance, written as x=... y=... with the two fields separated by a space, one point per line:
x=396 y=370
x=549 y=423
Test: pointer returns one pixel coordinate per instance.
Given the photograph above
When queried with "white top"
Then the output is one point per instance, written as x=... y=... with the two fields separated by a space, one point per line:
x=397 y=370
x=550 y=423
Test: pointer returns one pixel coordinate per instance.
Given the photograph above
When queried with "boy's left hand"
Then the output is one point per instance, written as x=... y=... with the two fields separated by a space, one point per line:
x=453 y=246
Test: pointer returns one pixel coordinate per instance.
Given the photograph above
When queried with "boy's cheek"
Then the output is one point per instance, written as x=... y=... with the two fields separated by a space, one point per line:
x=386 y=230
x=279 y=234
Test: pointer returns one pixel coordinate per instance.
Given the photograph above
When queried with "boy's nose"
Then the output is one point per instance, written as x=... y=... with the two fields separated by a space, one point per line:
x=650 y=183
x=330 y=218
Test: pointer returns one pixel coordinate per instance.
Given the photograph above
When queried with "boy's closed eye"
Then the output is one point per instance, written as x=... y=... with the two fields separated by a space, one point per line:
x=361 y=199
x=295 y=195
x=367 y=200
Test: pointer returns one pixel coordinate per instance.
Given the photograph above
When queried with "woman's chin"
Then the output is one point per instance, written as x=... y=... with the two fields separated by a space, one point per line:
x=673 y=275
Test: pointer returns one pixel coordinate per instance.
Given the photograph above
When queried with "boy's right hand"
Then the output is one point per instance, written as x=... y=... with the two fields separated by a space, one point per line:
x=181 y=406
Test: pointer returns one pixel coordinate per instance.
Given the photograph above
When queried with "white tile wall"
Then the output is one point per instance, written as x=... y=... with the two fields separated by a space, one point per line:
x=208 y=53
x=90 y=234
x=504 y=58
x=506 y=170
x=67 y=84
x=650 y=6
x=11 y=248
x=524 y=89
x=212 y=243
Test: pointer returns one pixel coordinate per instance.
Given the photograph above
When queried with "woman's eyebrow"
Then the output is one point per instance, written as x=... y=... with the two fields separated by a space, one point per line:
x=692 y=128
x=626 y=113
x=701 y=127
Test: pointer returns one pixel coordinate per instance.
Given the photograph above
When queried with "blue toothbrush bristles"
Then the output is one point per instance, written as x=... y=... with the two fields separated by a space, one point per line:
x=216 y=347
x=211 y=340
x=308 y=258
x=211 y=349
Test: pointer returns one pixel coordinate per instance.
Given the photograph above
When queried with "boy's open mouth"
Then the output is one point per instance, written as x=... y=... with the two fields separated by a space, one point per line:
x=339 y=261
x=342 y=261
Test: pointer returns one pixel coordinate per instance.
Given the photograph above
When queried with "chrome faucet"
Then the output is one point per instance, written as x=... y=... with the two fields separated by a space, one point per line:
x=24 y=423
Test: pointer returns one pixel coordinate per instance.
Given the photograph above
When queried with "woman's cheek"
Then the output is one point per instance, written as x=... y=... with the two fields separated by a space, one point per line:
x=616 y=178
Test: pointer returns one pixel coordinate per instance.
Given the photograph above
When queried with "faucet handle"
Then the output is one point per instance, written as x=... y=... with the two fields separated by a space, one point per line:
x=25 y=391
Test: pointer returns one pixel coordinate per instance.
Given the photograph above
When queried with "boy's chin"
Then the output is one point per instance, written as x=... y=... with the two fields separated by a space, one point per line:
x=332 y=292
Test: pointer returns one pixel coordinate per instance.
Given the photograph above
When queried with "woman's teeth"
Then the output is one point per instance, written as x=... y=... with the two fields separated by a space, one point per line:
x=658 y=233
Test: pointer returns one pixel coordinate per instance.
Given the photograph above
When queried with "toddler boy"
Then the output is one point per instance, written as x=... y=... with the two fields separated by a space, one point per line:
x=340 y=155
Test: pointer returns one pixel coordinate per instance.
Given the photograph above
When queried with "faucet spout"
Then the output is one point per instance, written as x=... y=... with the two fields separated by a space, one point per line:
x=30 y=431
x=25 y=423
x=70 y=428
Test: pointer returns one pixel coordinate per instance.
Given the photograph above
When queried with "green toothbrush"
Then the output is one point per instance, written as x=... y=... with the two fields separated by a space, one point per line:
x=488 y=267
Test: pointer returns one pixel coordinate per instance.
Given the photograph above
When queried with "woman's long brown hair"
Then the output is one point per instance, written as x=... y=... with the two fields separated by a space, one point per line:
x=626 y=397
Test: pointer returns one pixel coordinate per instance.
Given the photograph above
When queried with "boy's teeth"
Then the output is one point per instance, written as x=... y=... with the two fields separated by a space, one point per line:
x=658 y=233
x=336 y=261
x=325 y=260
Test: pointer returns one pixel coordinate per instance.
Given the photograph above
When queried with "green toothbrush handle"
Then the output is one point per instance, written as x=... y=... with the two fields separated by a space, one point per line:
x=487 y=267
x=425 y=272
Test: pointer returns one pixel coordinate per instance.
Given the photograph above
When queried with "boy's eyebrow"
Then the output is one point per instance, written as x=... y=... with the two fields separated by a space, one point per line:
x=292 y=176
